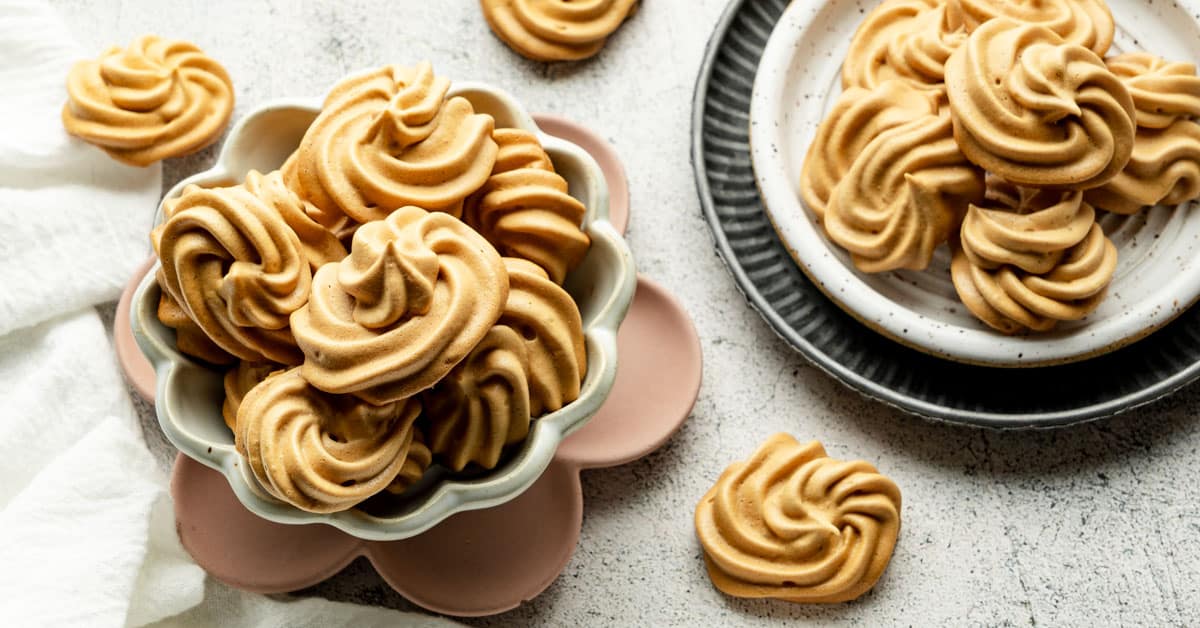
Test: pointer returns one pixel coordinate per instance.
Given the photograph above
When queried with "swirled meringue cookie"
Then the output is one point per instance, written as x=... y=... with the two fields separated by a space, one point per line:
x=858 y=116
x=418 y=291
x=238 y=381
x=556 y=30
x=320 y=452
x=1036 y=110
x=416 y=463
x=532 y=362
x=482 y=405
x=550 y=324
x=236 y=268
x=189 y=338
x=524 y=209
x=1165 y=166
x=1012 y=301
x=1162 y=91
x=156 y=99
x=1027 y=228
x=903 y=196
x=1087 y=23
x=389 y=138
x=793 y=524
x=904 y=39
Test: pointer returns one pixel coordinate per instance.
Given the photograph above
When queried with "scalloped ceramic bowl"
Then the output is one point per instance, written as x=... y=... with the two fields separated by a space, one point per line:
x=189 y=395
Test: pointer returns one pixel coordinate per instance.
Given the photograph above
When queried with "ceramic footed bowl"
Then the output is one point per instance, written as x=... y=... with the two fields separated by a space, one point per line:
x=189 y=395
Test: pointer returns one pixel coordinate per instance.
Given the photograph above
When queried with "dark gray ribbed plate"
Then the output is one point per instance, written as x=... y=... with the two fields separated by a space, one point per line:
x=854 y=354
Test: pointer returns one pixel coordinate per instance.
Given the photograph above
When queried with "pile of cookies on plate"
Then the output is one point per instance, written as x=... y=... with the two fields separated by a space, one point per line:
x=1001 y=128
x=389 y=298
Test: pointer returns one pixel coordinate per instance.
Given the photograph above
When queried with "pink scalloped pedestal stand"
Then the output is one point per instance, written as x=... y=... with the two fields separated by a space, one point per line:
x=479 y=562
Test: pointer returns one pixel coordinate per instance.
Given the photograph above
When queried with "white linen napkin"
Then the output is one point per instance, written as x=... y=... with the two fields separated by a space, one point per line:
x=79 y=488
x=75 y=223
x=87 y=532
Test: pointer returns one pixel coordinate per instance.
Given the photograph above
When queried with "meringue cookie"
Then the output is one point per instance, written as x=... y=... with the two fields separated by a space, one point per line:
x=415 y=465
x=903 y=196
x=482 y=405
x=418 y=291
x=1011 y=301
x=858 y=116
x=556 y=30
x=1165 y=166
x=189 y=338
x=236 y=268
x=238 y=381
x=904 y=39
x=1024 y=227
x=1162 y=91
x=318 y=452
x=524 y=209
x=793 y=524
x=1036 y=110
x=153 y=100
x=549 y=322
x=1087 y=23
x=389 y=138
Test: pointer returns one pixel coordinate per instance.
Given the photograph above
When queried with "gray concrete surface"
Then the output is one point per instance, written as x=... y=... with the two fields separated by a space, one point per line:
x=1097 y=524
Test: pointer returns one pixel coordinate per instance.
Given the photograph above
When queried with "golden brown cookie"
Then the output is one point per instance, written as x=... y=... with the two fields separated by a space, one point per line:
x=418 y=291
x=903 y=196
x=524 y=209
x=1036 y=110
x=1087 y=23
x=556 y=30
x=1027 y=228
x=389 y=138
x=793 y=524
x=321 y=452
x=482 y=406
x=909 y=40
x=236 y=268
x=550 y=326
x=156 y=99
x=1165 y=166
x=858 y=116
x=1012 y=301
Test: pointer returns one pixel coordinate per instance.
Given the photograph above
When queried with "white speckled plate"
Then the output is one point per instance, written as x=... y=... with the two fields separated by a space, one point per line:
x=797 y=82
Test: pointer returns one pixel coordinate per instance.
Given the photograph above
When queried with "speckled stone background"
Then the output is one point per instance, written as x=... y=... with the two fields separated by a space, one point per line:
x=1097 y=524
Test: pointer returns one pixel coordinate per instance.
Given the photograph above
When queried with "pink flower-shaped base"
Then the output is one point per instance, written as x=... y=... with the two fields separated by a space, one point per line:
x=478 y=562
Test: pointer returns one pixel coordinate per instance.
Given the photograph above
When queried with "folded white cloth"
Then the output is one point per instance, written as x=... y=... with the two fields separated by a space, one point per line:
x=74 y=223
x=87 y=532
x=79 y=488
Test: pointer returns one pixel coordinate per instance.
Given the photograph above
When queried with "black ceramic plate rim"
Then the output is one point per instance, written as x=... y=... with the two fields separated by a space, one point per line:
x=834 y=368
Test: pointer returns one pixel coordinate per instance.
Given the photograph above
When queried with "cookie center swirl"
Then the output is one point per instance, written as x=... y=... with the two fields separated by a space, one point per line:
x=1038 y=111
x=387 y=139
x=389 y=275
x=417 y=293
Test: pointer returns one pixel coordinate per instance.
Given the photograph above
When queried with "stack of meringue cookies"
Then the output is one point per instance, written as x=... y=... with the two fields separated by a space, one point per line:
x=1000 y=127
x=389 y=298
